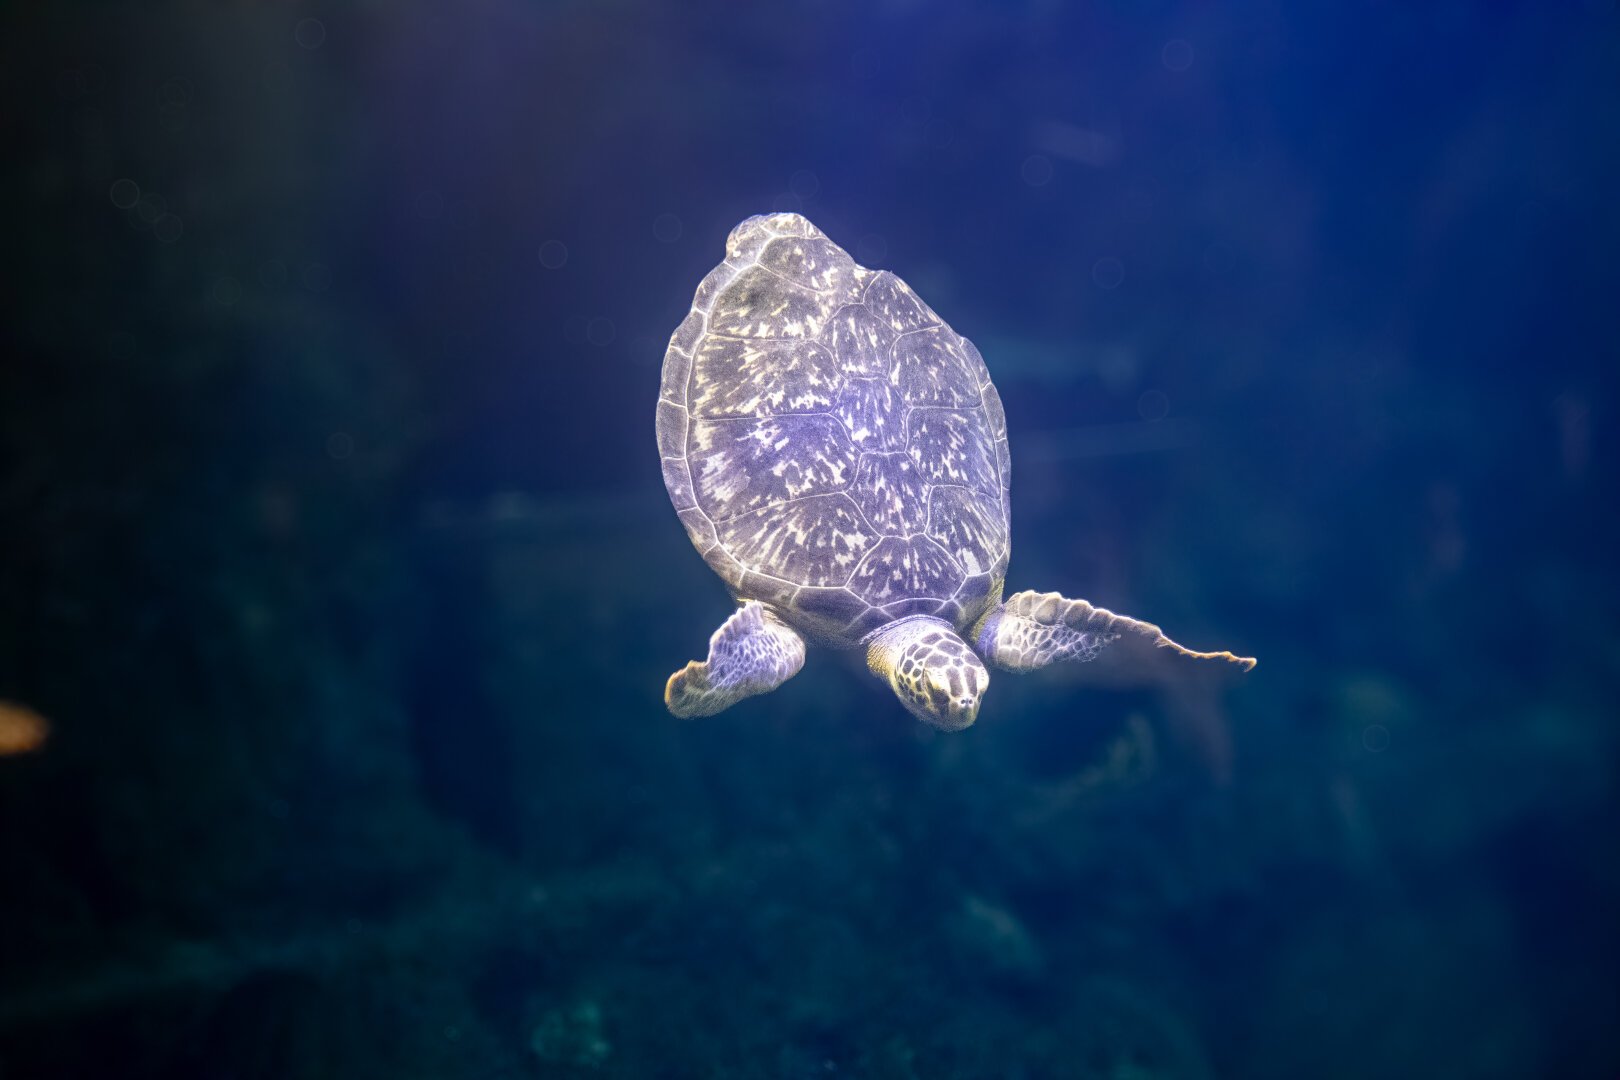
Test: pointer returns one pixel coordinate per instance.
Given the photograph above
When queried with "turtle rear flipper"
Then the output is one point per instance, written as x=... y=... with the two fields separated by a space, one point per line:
x=753 y=652
x=1034 y=629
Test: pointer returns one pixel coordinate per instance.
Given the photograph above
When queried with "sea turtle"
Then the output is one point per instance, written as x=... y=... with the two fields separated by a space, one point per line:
x=839 y=456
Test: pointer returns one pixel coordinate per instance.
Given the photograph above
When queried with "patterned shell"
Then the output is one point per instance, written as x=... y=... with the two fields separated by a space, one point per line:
x=832 y=446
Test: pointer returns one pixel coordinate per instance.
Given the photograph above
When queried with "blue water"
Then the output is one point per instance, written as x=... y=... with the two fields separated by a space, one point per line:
x=338 y=586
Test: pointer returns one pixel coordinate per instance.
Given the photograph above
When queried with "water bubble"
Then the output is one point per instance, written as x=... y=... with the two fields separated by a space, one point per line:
x=667 y=228
x=339 y=445
x=1036 y=170
x=1108 y=272
x=553 y=254
x=151 y=207
x=917 y=109
x=599 y=331
x=1153 y=405
x=428 y=204
x=805 y=184
x=871 y=249
x=317 y=276
x=70 y=84
x=124 y=194
x=89 y=123
x=1177 y=54
x=310 y=33
x=176 y=91
x=226 y=291
x=168 y=228
x=1375 y=737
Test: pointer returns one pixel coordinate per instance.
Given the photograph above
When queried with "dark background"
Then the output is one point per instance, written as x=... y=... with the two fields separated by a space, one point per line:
x=334 y=557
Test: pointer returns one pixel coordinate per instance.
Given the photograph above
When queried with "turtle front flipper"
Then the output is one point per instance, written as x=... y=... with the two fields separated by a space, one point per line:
x=753 y=652
x=1034 y=629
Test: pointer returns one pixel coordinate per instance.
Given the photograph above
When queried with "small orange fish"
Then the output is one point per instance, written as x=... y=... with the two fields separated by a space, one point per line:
x=22 y=730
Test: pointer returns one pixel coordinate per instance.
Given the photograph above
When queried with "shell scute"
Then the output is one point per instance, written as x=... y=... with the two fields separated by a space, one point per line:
x=902 y=568
x=738 y=377
x=953 y=446
x=892 y=303
x=759 y=304
x=828 y=610
x=890 y=493
x=931 y=368
x=672 y=421
x=860 y=341
x=874 y=413
x=818 y=540
x=743 y=465
x=969 y=525
x=814 y=263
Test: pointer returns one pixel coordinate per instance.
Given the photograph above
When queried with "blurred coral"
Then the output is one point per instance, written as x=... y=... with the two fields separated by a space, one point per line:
x=22 y=730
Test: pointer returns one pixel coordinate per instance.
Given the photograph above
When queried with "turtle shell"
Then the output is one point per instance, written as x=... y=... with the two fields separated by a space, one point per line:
x=832 y=446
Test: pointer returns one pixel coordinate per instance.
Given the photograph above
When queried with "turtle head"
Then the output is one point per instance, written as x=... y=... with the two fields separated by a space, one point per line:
x=933 y=672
